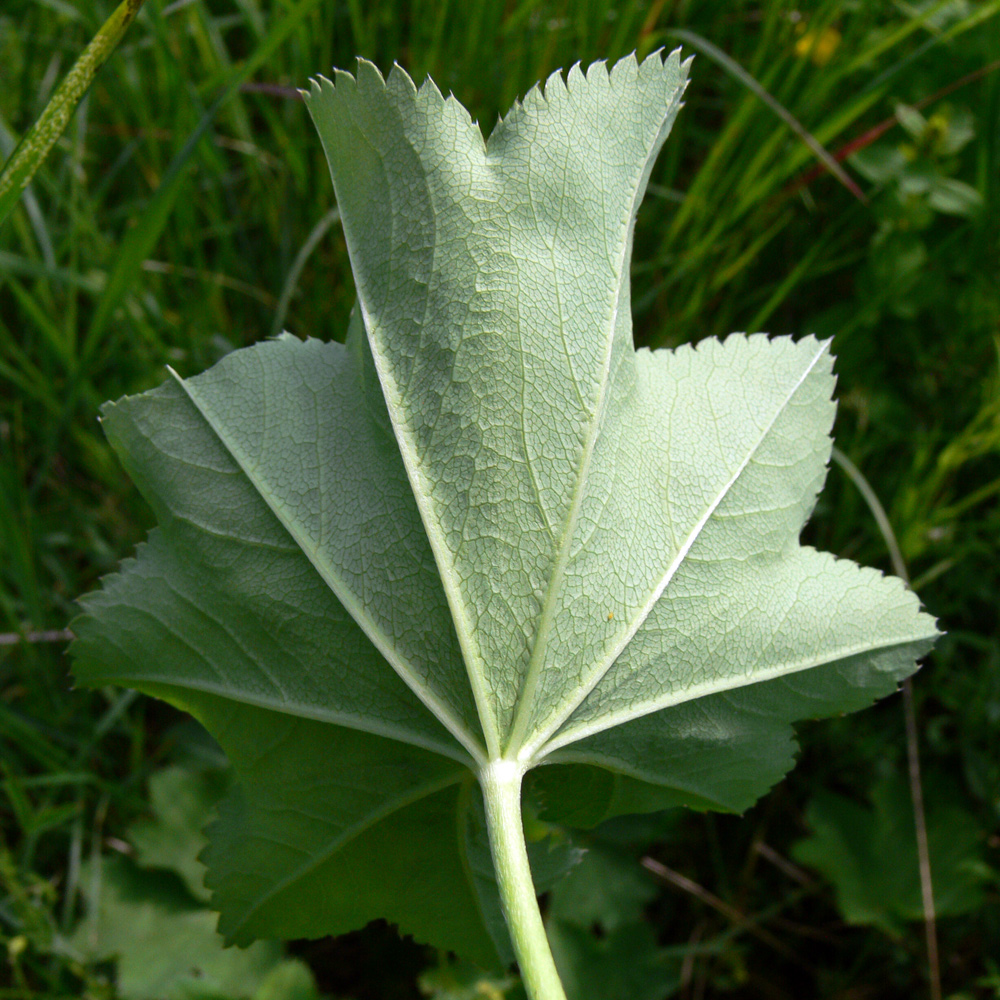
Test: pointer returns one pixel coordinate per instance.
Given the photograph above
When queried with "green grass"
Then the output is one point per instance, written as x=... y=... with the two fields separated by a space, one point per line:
x=168 y=226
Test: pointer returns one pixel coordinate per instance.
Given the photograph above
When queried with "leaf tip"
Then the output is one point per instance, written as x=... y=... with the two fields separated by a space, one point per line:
x=628 y=62
x=400 y=83
x=318 y=85
x=369 y=76
x=577 y=76
x=431 y=92
x=554 y=89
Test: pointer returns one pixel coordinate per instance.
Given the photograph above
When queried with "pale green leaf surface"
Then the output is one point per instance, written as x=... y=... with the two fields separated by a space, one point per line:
x=726 y=452
x=727 y=622
x=721 y=751
x=493 y=278
x=486 y=526
x=362 y=533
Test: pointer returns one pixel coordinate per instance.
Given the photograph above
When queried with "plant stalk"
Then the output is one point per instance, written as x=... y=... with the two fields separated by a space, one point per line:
x=501 y=784
x=42 y=136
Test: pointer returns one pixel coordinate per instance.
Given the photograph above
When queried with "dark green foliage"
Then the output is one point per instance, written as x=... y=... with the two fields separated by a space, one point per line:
x=163 y=229
x=147 y=915
x=870 y=855
x=603 y=946
x=457 y=980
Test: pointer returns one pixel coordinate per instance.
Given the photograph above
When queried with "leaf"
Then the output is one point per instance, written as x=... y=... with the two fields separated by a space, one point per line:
x=389 y=830
x=954 y=197
x=165 y=946
x=181 y=801
x=870 y=856
x=625 y=963
x=603 y=947
x=608 y=889
x=484 y=530
x=911 y=120
x=291 y=980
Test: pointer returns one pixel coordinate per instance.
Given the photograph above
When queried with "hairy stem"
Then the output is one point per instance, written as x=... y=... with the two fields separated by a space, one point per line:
x=501 y=784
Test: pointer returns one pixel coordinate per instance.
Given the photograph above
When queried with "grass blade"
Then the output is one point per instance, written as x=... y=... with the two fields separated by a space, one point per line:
x=735 y=70
x=41 y=137
x=288 y=290
x=139 y=241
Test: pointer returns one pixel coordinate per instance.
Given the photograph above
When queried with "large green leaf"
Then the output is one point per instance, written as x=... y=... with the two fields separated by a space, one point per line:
x=484 y=528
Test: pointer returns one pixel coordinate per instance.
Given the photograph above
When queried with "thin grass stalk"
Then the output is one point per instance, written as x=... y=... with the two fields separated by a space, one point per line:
x=912 y=740
x=31 y=151
x=735 y=70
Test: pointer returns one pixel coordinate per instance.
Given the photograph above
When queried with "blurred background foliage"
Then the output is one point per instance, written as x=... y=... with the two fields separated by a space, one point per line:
x=187 y=211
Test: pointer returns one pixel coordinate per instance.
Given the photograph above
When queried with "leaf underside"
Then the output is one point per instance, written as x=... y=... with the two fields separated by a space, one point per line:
x=485 y=526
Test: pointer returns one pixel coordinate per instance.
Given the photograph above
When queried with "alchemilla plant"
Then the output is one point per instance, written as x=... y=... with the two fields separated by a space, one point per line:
x=485 y=549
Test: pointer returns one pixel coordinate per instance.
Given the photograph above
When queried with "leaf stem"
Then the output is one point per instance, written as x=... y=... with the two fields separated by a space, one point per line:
x=501 y=784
